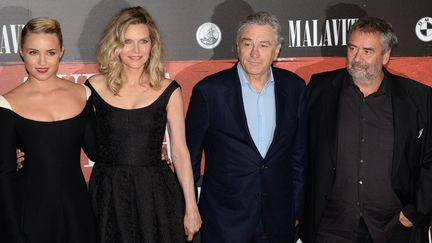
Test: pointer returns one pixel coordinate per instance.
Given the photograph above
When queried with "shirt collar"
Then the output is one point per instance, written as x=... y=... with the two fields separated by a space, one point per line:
x=245 y=81
x=384 y=88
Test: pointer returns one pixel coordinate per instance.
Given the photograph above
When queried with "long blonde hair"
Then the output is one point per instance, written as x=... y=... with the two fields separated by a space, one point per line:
x=108 y=53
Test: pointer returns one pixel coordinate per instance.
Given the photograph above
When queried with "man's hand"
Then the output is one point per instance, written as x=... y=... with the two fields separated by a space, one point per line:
x=20 y=159
x=405 y=221
x=164 y=156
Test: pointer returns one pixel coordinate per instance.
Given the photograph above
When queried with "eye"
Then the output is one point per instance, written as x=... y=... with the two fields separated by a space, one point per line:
x=265 y=45
x=51 y=53
x=144 y=41
x=127 y=41
x=247 y=44
x=32 y=52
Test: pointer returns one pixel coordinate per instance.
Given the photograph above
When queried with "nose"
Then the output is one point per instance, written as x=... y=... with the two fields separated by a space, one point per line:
x=136 y=48
x=356 y=55
x=42 y=60
x=254 y=51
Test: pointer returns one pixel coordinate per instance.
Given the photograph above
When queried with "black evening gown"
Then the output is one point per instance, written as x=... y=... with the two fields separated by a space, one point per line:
x=135 y=195
x=47 y=201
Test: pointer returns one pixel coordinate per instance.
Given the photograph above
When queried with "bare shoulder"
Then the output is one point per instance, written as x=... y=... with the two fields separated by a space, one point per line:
x=74 y=89
x=165 y=83
x=17 y=95
x=15 y=91
x=98 y=81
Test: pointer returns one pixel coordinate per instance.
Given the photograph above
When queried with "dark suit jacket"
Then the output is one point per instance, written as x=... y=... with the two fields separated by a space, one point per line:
x=411 y=176
x=239 y=186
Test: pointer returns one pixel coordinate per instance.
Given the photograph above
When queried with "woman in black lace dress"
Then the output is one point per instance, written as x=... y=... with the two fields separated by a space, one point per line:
x=135 y=195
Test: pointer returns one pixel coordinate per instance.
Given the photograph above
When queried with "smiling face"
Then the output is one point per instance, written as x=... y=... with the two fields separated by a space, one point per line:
x=41 y=53
x=365 y=57
x=257 y=49
x=136 y=46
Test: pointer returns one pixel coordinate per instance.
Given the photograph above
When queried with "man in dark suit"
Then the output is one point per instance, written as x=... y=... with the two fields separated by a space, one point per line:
x=370 y=154
x=251 y=122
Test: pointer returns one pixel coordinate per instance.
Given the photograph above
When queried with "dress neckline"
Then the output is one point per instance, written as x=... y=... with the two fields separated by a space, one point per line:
x=7 y=106
x=56 y=121
x=132 y=109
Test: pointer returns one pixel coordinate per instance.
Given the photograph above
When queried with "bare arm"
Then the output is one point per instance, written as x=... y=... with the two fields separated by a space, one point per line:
x=181 y=161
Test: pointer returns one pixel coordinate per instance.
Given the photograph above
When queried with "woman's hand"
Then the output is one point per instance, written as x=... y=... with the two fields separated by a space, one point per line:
x=192 y=223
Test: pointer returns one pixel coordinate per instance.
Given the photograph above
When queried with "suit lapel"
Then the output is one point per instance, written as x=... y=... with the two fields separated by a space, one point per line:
x=235 y=102
x=401 y=115
x=331 y=107
x=280 y=98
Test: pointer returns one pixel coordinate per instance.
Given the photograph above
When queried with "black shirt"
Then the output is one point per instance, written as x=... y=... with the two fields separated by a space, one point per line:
x=362 y=186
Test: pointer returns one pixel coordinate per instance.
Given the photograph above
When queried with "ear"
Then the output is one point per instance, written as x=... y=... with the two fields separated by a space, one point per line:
x=386 y=57
x=62 y=52
x=277 y=50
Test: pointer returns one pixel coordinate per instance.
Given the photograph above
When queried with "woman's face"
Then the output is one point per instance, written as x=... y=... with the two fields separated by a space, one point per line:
x=41 y=53
x=136 y=46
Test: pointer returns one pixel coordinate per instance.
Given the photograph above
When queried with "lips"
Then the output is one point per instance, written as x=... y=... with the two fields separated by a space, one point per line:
x=357 y=66
x=255 y=63
x=42 y=70
x=135 y=58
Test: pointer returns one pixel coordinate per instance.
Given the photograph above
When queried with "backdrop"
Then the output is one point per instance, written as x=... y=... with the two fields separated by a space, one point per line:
x=199 y=35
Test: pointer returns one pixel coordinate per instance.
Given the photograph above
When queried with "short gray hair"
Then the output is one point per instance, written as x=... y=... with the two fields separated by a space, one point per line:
x=262 y=18
x=389 y=39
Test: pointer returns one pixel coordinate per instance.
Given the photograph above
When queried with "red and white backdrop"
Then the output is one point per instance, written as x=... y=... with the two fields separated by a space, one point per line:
x=199 y=36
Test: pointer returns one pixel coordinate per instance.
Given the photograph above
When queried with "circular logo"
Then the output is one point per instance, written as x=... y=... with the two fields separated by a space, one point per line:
x=208 y=35
x=424 y=29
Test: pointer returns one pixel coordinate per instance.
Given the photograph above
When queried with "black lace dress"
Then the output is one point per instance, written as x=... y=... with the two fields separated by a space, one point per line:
x=135 y=195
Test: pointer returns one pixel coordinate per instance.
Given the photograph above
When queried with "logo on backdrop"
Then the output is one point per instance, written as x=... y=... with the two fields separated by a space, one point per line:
x=9 y=38
x=424 y=29
x=313 y=33
x=208 y=35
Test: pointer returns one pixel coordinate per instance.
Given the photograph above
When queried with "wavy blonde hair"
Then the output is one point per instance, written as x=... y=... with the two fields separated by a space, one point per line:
x=108 y=53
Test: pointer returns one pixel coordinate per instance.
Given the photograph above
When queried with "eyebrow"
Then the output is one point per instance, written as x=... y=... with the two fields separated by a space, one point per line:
x=245 y=39
x=363 y=48
x=249 y=39
x=34 y=49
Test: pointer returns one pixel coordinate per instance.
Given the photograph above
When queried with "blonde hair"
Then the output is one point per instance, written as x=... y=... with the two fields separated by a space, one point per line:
x=108 y=53
x=41 y=25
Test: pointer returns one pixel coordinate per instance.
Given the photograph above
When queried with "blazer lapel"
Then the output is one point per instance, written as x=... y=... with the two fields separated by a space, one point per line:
x=331 y=107
x=234 y=100
x=280 y=98
x=401 y=115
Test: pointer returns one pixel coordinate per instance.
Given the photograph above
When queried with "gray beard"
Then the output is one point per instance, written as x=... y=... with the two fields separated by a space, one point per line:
x=365 y=79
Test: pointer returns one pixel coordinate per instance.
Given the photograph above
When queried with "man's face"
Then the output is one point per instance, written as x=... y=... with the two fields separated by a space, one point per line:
x=257 y=49
x=365 y=57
